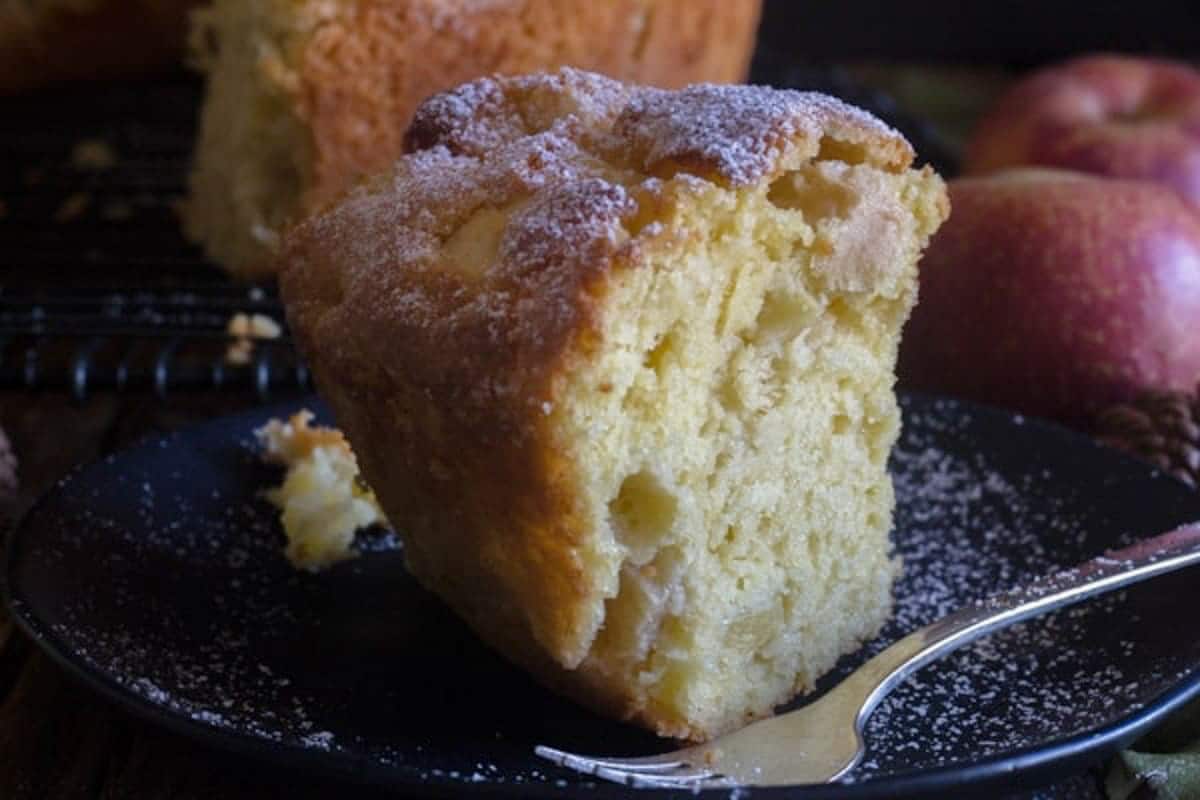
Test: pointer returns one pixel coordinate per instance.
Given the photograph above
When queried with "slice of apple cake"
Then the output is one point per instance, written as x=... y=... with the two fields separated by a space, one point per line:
x=619 y=364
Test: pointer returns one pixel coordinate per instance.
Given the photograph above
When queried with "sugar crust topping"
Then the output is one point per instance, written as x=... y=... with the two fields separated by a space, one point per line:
x=564 y=159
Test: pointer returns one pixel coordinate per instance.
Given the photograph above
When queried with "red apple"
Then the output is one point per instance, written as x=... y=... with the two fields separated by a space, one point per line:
x=1123 y=117
x=1056 y=293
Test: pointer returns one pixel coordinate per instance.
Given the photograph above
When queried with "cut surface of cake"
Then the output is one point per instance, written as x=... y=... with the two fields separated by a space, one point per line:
x=618 y=363
x=305 y=97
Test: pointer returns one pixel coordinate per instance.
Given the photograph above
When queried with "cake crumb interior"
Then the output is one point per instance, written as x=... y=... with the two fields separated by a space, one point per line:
x=734 y=431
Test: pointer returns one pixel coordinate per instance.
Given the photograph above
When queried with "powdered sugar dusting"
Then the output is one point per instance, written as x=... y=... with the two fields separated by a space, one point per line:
x=385 y=239
x=968 y=528
x=482 y=116
x=739 y=132
x=534 y=239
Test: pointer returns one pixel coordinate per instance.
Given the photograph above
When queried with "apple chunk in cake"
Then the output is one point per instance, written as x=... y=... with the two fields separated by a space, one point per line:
x=619 y=364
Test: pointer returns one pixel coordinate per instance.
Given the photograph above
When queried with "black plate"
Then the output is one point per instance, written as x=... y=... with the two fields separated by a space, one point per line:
x=156 y=576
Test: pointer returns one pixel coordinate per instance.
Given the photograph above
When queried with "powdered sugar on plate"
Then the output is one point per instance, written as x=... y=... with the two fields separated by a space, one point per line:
x=969 y=525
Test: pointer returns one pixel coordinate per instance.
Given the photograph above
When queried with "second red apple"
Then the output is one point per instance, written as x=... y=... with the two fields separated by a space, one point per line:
x=1119 y=116
x=1056 y=293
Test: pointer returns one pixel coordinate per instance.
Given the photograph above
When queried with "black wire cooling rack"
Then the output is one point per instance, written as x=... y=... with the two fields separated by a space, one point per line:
x=99 y=291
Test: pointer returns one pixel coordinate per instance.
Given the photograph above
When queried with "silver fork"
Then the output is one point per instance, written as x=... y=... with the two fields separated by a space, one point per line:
x=823 y=741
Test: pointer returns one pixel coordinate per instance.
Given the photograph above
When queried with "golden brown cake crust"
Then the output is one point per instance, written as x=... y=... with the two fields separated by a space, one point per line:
x=87 y=40
x=366 y=70
x=440 y=338
x=334 y=84
x=376 y=268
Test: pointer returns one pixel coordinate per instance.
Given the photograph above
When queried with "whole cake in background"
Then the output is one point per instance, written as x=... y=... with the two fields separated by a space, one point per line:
x=307 y=96
x=49 y=41
x=618 y=363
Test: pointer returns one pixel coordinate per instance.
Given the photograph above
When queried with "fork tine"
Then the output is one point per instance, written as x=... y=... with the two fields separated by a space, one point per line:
x=589 y=764
x=646 y=780
x=664 y=771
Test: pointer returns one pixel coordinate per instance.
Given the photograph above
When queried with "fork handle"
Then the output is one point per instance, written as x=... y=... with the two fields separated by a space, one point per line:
x=1115 y=570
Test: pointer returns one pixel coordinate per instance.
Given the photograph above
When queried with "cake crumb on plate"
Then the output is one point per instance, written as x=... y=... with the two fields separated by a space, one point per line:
x=322 y=499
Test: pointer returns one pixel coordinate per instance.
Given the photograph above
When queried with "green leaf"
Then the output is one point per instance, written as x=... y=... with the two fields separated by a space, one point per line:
x=1165 y=765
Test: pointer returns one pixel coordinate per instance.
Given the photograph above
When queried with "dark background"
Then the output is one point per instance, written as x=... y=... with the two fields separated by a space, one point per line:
x=1013 y=33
